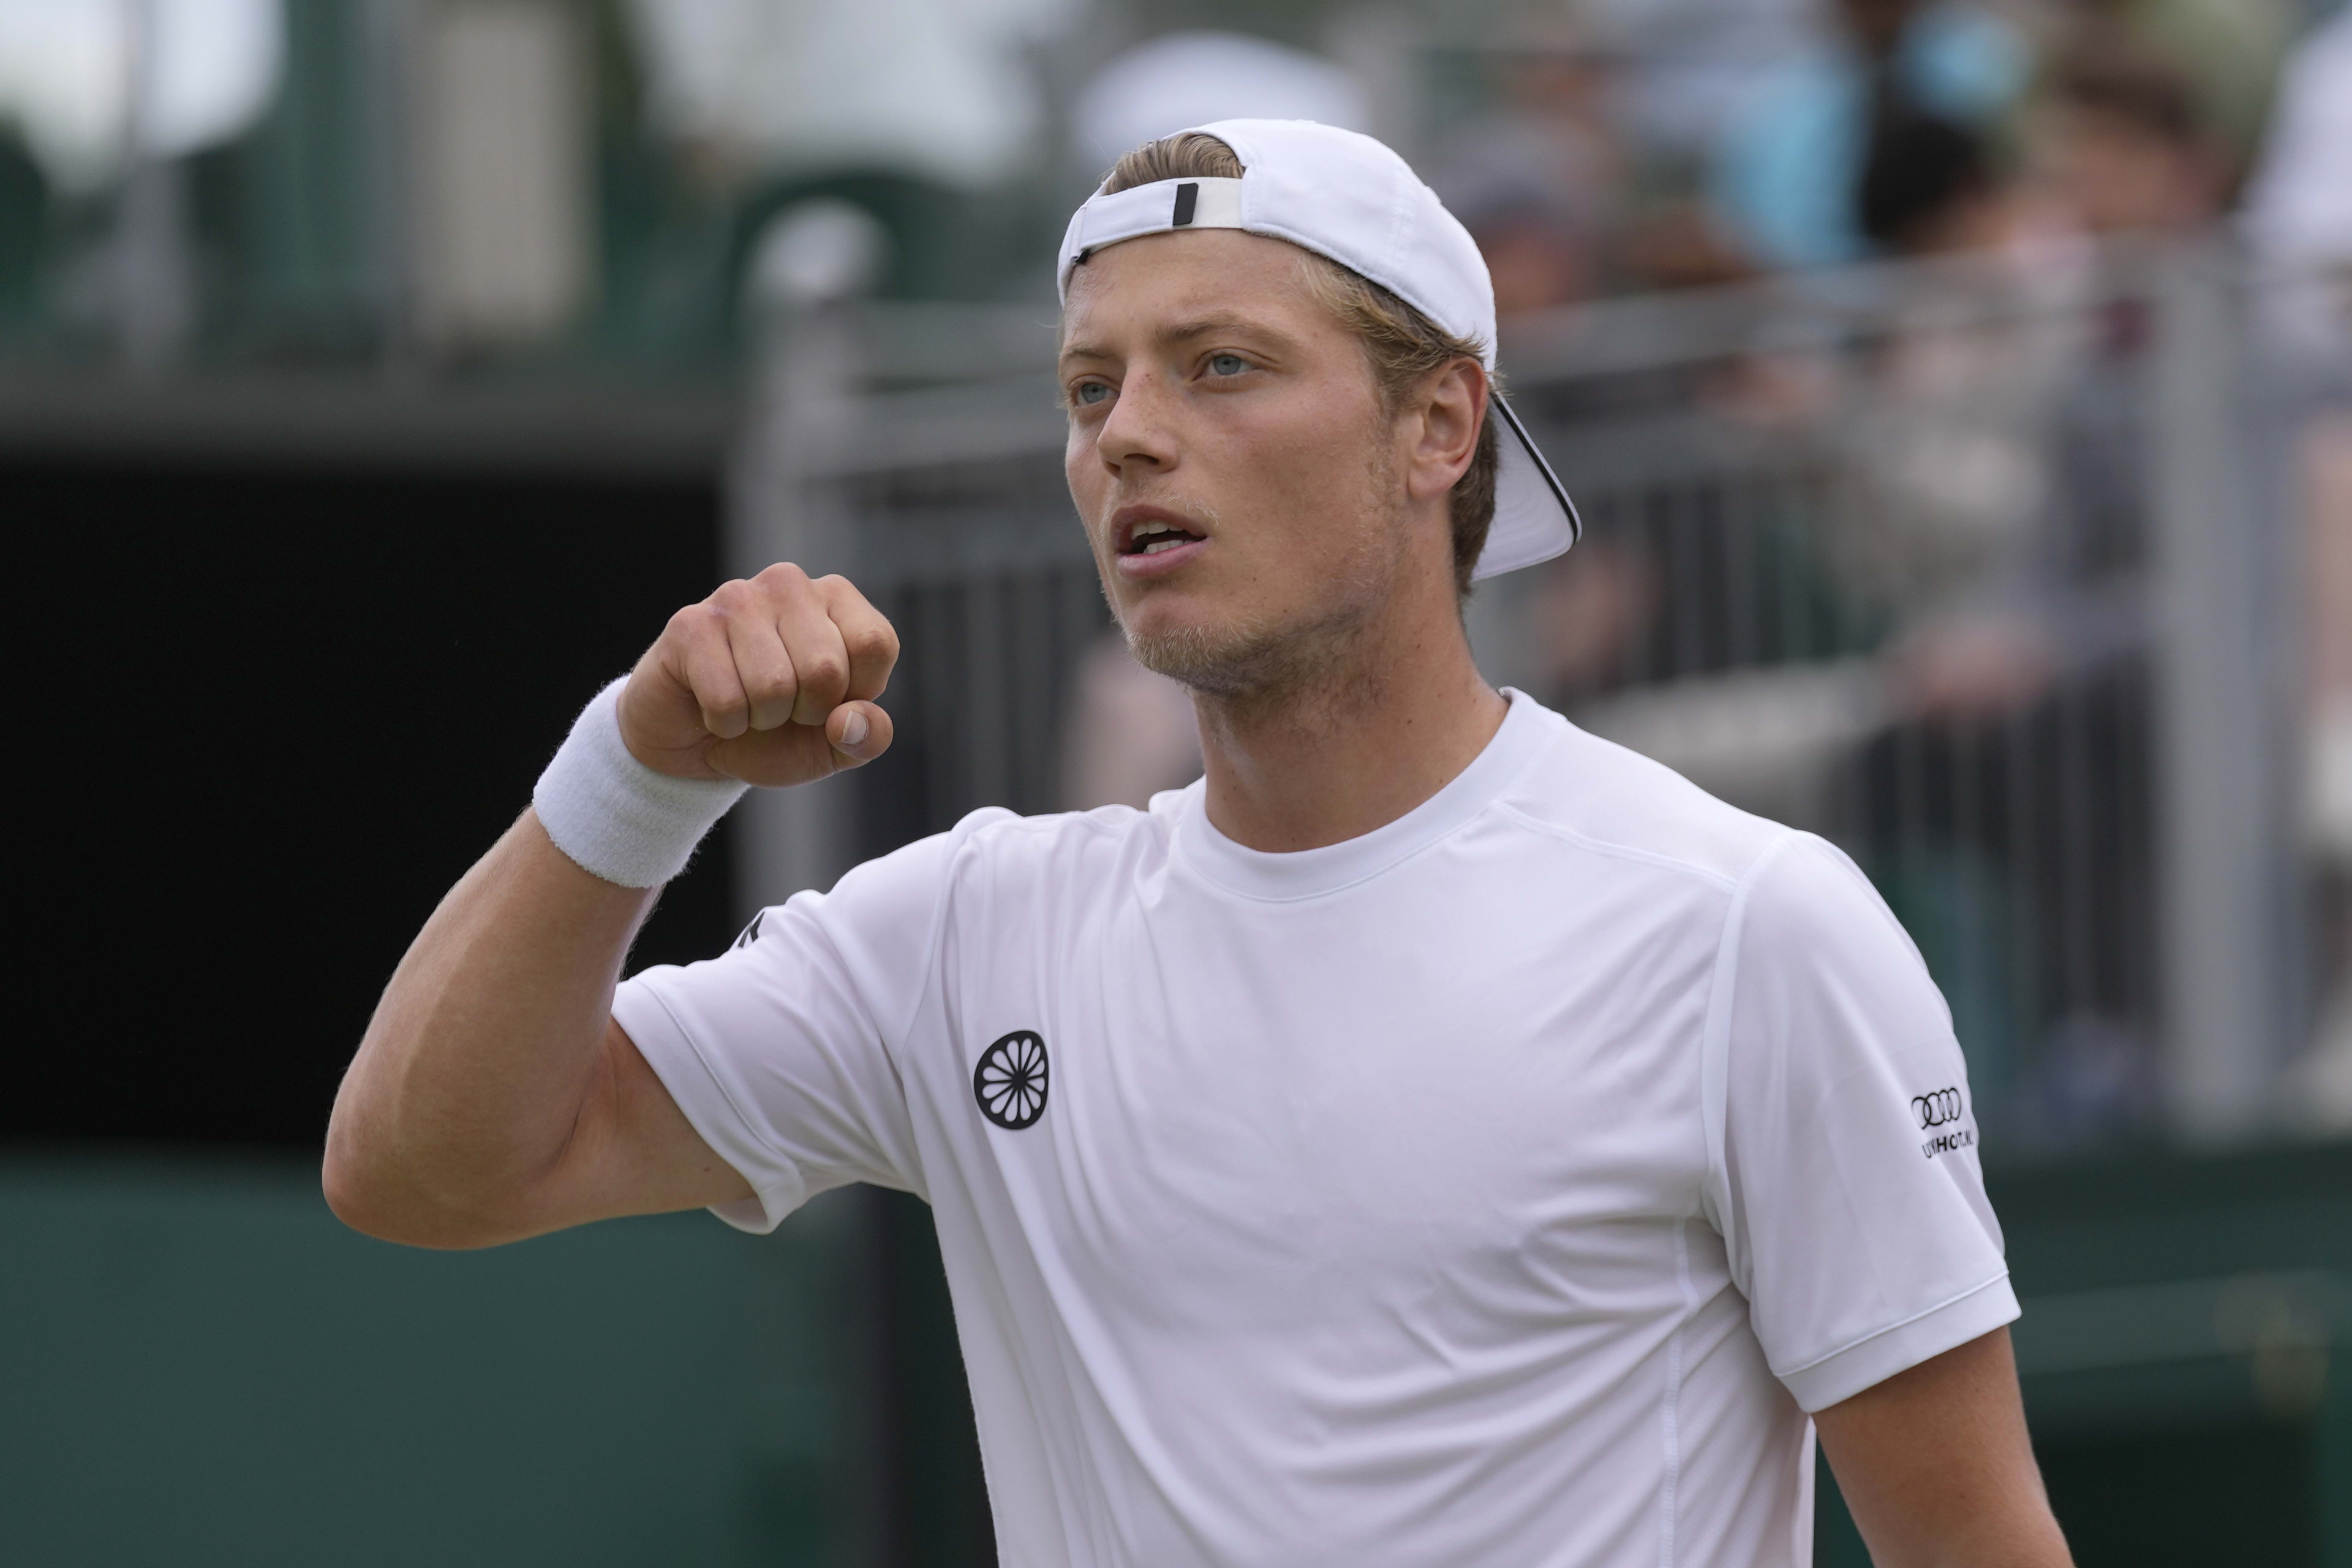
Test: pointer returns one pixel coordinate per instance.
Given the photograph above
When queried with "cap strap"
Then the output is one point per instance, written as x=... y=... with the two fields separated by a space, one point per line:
x=1154 y=208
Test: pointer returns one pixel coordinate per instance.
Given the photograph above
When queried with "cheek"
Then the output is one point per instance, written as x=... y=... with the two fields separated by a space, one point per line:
x=1313 y=457
x=1084 y=473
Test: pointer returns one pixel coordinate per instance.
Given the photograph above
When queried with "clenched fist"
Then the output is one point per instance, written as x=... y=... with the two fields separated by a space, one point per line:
x=770 y=681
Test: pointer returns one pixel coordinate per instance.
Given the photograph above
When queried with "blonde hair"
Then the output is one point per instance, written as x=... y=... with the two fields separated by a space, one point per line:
x=1402 y=345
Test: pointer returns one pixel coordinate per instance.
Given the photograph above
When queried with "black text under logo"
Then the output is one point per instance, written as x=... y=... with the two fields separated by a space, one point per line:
x=1940 y=1108
x=1010 y=1081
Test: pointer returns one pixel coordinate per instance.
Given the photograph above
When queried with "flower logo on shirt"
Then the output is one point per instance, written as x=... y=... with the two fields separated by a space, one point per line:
x=1010 y=1081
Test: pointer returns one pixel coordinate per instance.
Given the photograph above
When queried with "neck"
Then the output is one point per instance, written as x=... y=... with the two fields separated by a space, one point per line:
x=1383 y=727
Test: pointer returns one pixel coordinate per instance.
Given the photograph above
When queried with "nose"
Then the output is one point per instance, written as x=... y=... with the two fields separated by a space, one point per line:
x=1139 y=434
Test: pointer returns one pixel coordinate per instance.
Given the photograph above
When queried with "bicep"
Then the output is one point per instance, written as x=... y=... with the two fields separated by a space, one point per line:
x=1936 y=1468
x=632 y=1151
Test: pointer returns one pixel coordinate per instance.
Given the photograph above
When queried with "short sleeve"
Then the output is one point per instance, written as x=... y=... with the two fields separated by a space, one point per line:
x=779 y=1051
x=1847 y=1182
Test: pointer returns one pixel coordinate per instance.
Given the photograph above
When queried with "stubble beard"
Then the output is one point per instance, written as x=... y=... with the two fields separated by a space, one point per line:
x=1318 y=656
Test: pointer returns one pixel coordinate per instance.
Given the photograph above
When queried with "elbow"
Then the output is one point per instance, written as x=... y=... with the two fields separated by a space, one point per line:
x=356 y=1196
x=374 y=1197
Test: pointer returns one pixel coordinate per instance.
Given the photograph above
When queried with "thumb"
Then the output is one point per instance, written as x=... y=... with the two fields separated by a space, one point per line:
x=858 y=731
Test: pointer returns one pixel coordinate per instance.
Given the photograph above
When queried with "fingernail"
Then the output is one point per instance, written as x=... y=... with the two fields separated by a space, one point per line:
x=852 y=730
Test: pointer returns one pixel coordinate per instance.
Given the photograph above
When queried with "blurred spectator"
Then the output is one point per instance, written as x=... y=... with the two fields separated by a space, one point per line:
x=2299 y=209
x=1182 y=79
x=1691 y=66
x=932 y=88
x=2124 y=143
x=1947 y=491
x=1130 y=733
x=1990 y=505
x=2228 y=52
x=91 y=85
x=1539 y=181
x=1786 y=175
x=1928 y=186
x=1591 y=608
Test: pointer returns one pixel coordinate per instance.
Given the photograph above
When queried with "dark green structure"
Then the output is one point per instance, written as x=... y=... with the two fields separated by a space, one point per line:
x=2186 y=1355
x=198 y=1365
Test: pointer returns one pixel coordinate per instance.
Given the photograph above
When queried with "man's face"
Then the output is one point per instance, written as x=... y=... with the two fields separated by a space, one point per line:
x=1238 y=477
x=2122 y=178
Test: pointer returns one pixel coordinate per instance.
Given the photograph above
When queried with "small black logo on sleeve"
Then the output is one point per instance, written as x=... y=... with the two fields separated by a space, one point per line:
x=752 y=932
x=1011 y=1080
x=1940 y=1108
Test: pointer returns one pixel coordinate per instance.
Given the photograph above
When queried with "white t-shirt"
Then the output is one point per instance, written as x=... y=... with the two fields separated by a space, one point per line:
x=1501 y=1187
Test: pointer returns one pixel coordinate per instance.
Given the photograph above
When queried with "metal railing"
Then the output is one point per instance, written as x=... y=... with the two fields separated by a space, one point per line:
x=1960 y=564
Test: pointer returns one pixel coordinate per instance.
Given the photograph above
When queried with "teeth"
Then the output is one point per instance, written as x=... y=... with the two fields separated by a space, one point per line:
x=1150 y=538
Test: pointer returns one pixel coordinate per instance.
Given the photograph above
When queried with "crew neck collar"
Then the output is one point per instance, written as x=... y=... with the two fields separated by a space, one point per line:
x=1527 y=728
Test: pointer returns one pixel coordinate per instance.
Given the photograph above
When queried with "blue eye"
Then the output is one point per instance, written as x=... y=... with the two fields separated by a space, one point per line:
x=1227 y=364
x=1089 y=392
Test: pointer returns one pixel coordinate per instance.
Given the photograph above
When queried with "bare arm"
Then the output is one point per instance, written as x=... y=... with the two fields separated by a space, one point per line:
x=1936 y=1468
x=493 y=1097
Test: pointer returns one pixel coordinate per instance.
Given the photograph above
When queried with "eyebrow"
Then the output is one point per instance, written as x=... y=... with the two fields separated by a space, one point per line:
x=1186 y=331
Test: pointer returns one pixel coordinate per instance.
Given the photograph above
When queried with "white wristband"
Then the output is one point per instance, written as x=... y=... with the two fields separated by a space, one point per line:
x=617 y=817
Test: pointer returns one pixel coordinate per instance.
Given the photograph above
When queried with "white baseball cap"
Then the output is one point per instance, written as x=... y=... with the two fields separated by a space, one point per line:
x=1343 y=196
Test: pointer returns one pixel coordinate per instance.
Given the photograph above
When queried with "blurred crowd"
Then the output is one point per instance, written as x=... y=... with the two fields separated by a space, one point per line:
x=1595 y=147
x=1898 y=128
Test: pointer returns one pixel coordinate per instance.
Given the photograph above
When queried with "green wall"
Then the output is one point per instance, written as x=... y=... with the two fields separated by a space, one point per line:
x=2187 y=1356
x=199 y=1365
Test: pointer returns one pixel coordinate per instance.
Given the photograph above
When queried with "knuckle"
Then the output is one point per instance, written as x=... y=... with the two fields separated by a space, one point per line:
x=824 y=673
x=730 y=597
x=783 y=575
x=874 y=642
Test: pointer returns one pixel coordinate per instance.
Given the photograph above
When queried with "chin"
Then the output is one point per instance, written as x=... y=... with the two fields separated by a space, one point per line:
x=1241 y=658
x=1264 y=650
x=1220 y=655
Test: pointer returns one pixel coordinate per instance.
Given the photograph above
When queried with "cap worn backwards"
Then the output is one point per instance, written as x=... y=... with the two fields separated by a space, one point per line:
x=1349 y=198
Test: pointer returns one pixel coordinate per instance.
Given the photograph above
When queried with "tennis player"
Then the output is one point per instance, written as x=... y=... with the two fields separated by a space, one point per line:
x=1438 y=1137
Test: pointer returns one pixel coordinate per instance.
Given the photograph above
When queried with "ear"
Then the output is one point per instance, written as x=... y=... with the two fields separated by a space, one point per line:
x=1442 y=427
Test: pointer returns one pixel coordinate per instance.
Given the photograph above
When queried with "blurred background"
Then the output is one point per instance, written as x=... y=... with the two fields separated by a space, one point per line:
x=1958 y=392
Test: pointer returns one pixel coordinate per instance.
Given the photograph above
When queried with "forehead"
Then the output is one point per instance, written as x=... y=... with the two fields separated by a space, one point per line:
x=1157 y=279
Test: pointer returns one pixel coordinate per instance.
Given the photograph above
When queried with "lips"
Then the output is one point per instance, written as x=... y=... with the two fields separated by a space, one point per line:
x=1149 y=530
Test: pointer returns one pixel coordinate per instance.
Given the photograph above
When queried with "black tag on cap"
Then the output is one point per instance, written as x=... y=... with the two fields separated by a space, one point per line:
x=1188 y=196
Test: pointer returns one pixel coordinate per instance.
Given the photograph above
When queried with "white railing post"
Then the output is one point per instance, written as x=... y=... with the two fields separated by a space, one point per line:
x=2217 y=757
x=806 y=269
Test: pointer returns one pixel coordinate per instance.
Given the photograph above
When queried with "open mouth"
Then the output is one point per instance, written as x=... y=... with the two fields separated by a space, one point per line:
x=1154 y=535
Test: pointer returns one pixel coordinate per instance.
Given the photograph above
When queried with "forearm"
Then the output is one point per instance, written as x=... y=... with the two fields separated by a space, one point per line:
x=485 y=1049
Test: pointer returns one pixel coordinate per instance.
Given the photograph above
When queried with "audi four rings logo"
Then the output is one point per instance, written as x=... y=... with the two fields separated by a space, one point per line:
x=1940 y=1108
